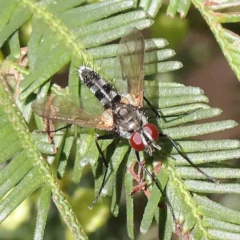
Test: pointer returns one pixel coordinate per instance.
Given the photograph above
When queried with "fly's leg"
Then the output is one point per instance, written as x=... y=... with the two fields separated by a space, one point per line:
x=142 y=185
x=157 y=113
x=106 y=165
x=51 y=132
x=151 y=106
x=54 y=131
x=177 y=147
x=155 y=181
x=184 y=155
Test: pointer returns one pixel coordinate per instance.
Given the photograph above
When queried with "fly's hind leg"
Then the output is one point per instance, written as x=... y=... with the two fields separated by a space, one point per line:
x=55 y=130
x=158 y=115
x=151 y=106
x=106 y=165
x=50 y=130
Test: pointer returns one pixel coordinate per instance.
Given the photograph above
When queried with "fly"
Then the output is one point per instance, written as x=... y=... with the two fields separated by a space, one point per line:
x=123 y=113
x=129 y=122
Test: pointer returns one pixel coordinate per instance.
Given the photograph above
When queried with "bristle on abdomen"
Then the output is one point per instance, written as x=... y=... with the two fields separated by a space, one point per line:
x=97 y=85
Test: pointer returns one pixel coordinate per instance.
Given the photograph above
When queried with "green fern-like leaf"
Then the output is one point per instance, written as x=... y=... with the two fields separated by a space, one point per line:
x=216 y=14
x=61 y=33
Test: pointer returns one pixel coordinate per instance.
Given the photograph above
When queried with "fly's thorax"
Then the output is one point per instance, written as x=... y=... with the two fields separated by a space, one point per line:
x=99 y=87
x=128 y=119
x=132 y=100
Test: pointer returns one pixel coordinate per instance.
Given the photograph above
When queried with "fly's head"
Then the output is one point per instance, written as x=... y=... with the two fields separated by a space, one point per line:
x=145 y=139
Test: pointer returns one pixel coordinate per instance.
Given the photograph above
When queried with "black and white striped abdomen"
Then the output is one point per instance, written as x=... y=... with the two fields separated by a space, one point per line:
x=102 y=90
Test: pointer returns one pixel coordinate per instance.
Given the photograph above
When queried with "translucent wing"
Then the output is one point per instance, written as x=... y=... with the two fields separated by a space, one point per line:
x=58 y=108
x=130 y=58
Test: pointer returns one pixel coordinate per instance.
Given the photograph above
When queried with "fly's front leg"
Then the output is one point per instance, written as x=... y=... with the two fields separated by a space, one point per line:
x=155 y=181
x=184 y=155
x=106 y=165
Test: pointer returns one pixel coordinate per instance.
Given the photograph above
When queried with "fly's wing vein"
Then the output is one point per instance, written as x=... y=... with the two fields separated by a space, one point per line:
x=58 y=108
x=130 y=57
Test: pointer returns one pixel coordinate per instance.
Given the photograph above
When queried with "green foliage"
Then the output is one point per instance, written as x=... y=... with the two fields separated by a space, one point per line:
x=61 y=32
x=216 y=14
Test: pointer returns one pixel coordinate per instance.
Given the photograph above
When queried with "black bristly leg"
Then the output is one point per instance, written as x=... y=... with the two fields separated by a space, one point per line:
x=151 y=106
x=157 y=113
x=56 y=130
x=176 y=146
x=184 y=155
x=155 y=181
x=106 y=137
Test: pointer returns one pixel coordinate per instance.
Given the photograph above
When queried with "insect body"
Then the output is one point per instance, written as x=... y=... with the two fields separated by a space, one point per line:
x=129 y=121
x=122 y=112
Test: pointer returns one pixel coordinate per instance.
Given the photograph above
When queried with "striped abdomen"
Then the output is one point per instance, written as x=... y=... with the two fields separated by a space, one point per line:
x=102 y=90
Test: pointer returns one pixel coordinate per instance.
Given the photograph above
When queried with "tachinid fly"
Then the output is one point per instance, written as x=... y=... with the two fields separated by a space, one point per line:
x=129 y=121
x=123 y=113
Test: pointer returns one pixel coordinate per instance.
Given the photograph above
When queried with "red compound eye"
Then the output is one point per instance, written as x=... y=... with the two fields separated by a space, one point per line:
x=152 y=130
x=136 y=142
